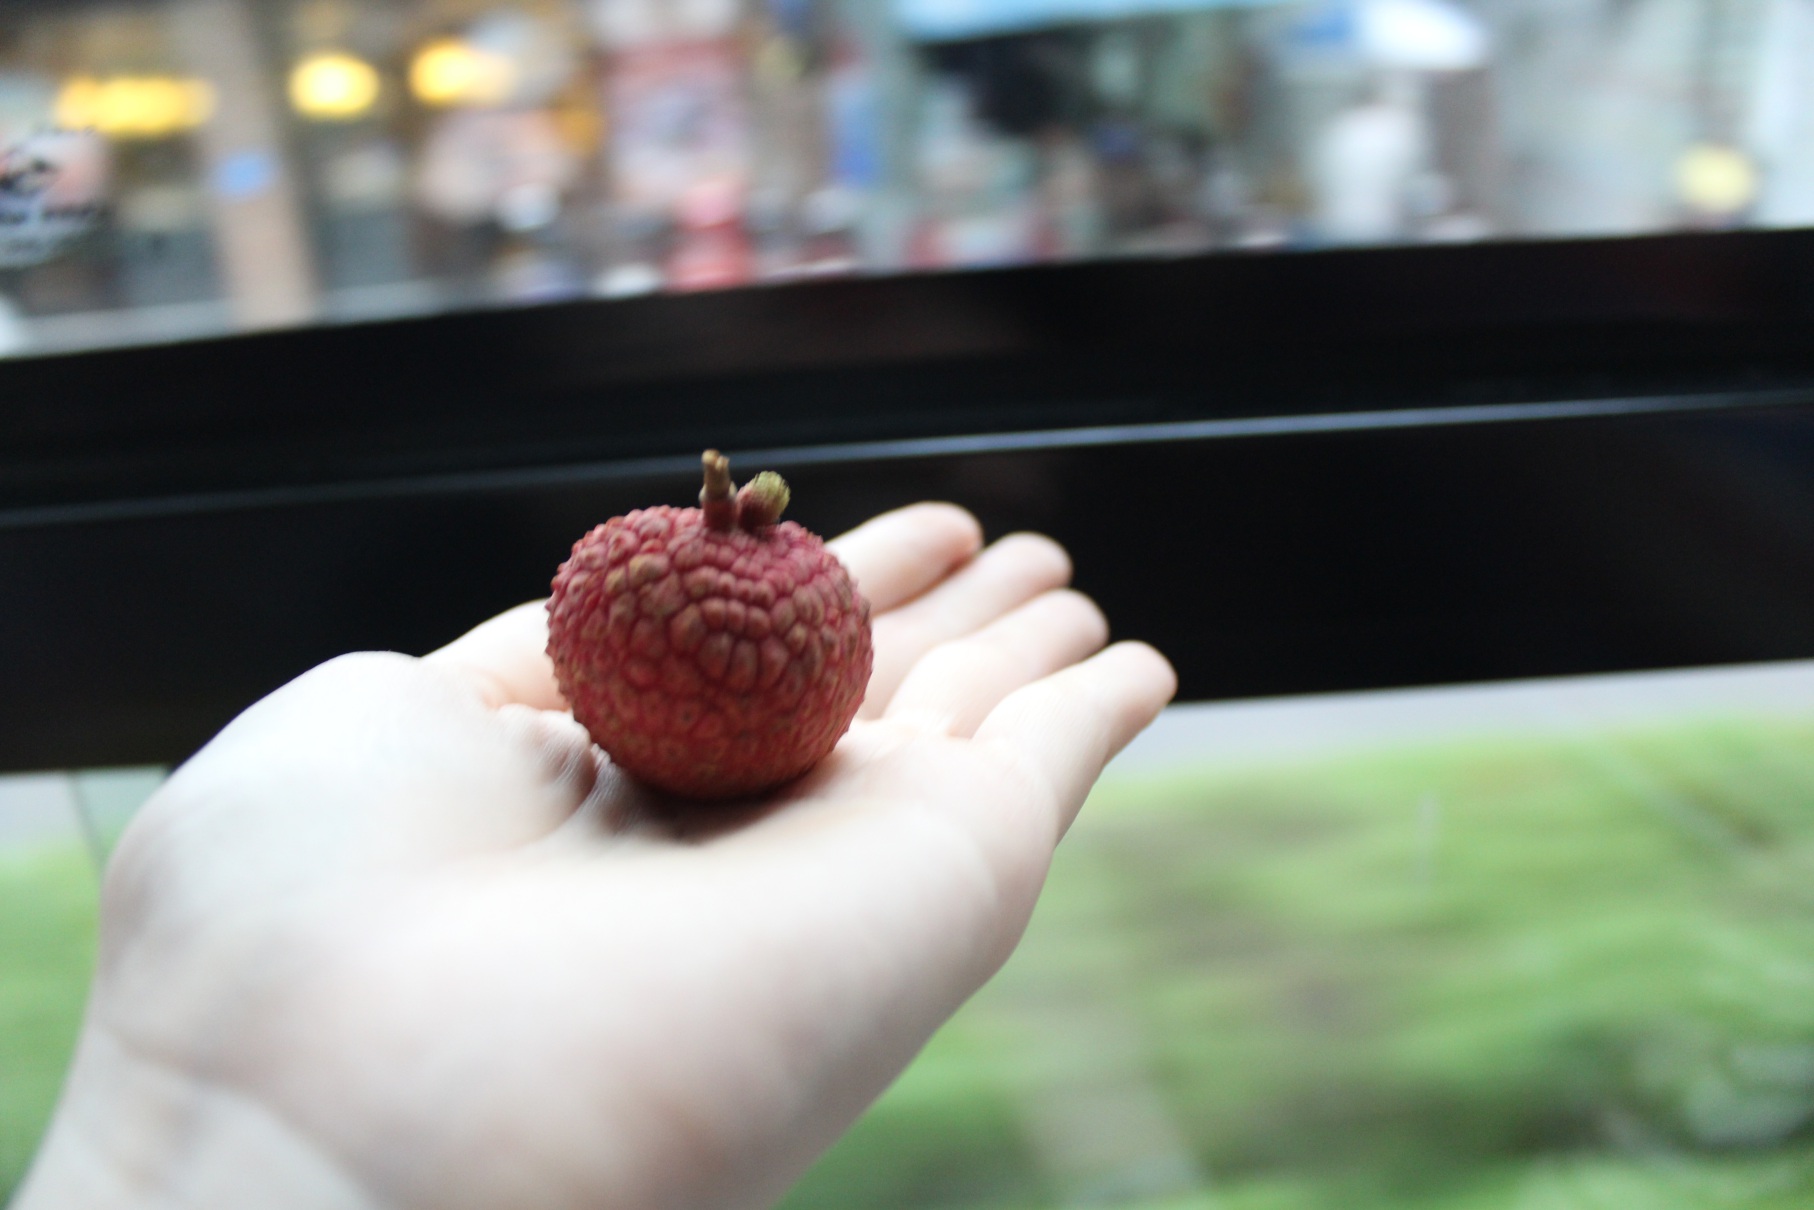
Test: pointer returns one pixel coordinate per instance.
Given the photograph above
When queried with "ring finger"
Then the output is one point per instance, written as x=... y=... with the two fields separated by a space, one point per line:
x=953 y=687
x=1005 y=576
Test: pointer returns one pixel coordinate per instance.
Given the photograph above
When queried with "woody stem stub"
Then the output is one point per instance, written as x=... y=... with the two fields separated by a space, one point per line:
x=715 y=498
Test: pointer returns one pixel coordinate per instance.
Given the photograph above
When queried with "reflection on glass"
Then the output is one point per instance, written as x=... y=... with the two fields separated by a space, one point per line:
x=279 y=162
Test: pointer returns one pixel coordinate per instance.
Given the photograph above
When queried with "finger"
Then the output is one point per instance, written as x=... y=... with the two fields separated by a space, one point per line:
x=1062 y=730
x=1008 y=574
x=558 y=745
x=506 y=659
x=956 y=684
x=898 y=555
x=893 y=557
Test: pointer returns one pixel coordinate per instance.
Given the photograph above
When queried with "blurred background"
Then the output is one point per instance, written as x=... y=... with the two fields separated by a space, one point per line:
x=1541 y=946
x=197 y=167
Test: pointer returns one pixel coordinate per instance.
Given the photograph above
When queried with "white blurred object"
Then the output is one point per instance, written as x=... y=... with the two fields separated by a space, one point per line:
x=628 y=280
x=1389 y=35
x=1364 y=167
x=1419 y=35
x=14 y=339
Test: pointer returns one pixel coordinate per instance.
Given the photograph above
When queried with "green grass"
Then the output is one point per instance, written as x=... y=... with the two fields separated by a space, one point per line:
x=1522 y=974
x=47 y=929
x=1530 y=975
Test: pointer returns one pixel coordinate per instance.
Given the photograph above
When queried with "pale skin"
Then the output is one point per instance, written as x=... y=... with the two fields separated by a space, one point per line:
x=401 y=937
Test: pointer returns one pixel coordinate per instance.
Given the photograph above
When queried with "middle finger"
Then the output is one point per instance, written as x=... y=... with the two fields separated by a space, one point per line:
x=1004 y=576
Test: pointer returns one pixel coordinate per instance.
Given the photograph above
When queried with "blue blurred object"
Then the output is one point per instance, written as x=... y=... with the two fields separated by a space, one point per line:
x=936 y=20
x=245 y=174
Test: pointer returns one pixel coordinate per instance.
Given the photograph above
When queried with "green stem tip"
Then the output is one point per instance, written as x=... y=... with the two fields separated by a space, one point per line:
x=762 y=501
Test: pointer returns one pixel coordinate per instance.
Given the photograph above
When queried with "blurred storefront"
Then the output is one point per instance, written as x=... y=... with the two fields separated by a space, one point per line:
x=203 y=166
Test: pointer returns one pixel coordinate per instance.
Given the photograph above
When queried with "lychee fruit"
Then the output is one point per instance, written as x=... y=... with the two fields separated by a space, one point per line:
x=712 y=652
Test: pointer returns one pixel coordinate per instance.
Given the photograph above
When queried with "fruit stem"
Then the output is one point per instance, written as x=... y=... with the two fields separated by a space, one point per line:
x=762 y=501
x=715 y=498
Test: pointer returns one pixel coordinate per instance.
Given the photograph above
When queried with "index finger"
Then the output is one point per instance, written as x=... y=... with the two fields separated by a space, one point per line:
x=899 y=555
x=506 y=659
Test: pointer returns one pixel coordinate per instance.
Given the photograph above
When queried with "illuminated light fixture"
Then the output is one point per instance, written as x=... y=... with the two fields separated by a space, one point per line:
x=454 y=72
x=1716 y=179
x=333 y=86
x=134 y=107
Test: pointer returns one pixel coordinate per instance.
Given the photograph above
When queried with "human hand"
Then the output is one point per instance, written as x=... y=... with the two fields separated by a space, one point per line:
x=401 y=936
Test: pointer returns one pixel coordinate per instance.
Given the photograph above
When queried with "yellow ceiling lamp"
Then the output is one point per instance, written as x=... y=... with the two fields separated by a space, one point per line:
x=1716 y=178
x=134 y=107
x=454 y=72
x=333 y=86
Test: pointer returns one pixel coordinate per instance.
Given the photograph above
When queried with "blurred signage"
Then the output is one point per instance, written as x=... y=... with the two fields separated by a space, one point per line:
x=949 y=20
x=51 y=191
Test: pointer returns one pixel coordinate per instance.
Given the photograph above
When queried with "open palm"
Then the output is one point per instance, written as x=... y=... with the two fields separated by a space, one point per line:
x=401 y=936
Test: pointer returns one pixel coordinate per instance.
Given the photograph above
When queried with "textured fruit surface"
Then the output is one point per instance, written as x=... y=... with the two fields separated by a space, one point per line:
x=709 y=663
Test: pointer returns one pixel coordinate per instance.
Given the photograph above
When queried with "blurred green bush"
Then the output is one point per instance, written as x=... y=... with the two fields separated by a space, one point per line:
x=1522 y=975
x=48 y=898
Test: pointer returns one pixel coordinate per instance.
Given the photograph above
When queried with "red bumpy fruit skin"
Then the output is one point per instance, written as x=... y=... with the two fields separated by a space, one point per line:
x=708 y=663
